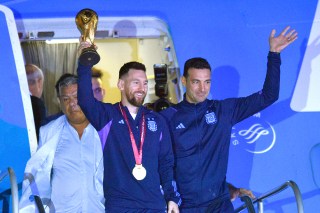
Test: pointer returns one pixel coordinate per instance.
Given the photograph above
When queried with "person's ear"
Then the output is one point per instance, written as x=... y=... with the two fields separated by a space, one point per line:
x=120 y=84
x=184 y=81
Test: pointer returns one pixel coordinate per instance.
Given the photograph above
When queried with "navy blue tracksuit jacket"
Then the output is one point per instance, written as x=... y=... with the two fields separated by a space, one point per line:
x=121 y=189
x=201 y=137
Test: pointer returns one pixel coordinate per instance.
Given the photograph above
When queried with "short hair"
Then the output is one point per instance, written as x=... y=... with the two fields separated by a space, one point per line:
x=131 y=65
x=197 y=63
x=65 y=80
x=96 y=73
x=33 y=73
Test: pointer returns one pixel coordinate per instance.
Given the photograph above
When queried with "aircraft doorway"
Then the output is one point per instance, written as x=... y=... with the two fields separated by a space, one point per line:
x=52 y=45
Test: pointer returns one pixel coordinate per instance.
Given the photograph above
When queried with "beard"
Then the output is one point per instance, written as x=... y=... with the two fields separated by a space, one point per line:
x=136 y=102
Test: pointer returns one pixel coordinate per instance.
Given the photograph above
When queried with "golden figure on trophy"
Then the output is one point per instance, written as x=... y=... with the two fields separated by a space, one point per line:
x=86 y=21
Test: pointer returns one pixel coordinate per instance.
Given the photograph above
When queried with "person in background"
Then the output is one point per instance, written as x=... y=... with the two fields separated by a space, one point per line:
x=67 y=169
x=96 y=80
x=35 y=80
x=201 y=129
x=35 y=83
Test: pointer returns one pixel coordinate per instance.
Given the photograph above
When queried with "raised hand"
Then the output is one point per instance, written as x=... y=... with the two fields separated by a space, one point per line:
x=277 y=44
x=83 y=45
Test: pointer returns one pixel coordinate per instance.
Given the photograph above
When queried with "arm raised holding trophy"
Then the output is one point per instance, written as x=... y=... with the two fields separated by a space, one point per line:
x=138 y=162
x=87 y=21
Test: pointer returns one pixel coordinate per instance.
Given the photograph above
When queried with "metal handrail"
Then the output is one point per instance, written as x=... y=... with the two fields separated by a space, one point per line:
x=287 y=184
x=248 y=202
x=14 y=188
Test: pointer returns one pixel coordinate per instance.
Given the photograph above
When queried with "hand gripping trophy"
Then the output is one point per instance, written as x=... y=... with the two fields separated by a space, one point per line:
x=86 y=21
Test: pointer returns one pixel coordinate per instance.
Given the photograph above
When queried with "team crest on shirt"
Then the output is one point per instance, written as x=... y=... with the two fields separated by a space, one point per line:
x=152 y=125
x=211 y=118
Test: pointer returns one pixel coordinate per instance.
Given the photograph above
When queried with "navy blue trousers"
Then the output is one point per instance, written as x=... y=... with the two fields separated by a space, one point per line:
x=129 y=210
x=215 y=207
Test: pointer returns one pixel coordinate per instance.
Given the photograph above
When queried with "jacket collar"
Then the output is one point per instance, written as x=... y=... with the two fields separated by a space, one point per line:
x=186 y=104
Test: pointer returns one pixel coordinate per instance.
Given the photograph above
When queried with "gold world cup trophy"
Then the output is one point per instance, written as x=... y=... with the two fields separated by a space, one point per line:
x=86 y=21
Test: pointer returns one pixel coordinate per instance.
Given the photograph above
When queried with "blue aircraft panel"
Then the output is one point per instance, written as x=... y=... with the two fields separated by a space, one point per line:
x=14 y=134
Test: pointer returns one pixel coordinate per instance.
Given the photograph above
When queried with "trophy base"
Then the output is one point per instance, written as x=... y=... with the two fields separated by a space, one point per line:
x=89 y=57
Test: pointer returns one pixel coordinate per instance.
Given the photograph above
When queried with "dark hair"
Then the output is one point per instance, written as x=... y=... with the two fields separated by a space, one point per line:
x=198 y=63
x=96 y=73
x=131 y=65
x=65 y=80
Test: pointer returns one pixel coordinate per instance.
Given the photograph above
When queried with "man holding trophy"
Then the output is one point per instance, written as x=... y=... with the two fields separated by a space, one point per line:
x=137 y=148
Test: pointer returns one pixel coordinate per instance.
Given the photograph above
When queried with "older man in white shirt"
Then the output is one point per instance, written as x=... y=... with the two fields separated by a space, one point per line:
x=67 y=170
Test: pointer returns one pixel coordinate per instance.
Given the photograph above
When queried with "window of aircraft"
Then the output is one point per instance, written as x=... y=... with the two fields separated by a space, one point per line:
x=52 y=45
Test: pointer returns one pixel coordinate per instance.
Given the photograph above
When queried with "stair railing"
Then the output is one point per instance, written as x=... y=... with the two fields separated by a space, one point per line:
x=14 y=188
x=271 y=193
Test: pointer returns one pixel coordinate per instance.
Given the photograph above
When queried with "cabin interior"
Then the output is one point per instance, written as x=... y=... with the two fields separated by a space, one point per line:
x=52 y=45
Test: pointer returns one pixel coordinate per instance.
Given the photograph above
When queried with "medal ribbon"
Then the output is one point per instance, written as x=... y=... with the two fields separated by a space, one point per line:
x=137 y=153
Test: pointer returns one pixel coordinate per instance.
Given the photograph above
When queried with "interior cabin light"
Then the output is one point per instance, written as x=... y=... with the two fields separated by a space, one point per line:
x=62 y=41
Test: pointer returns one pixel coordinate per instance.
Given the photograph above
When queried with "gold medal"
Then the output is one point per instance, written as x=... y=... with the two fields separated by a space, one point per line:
x=139 y=172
